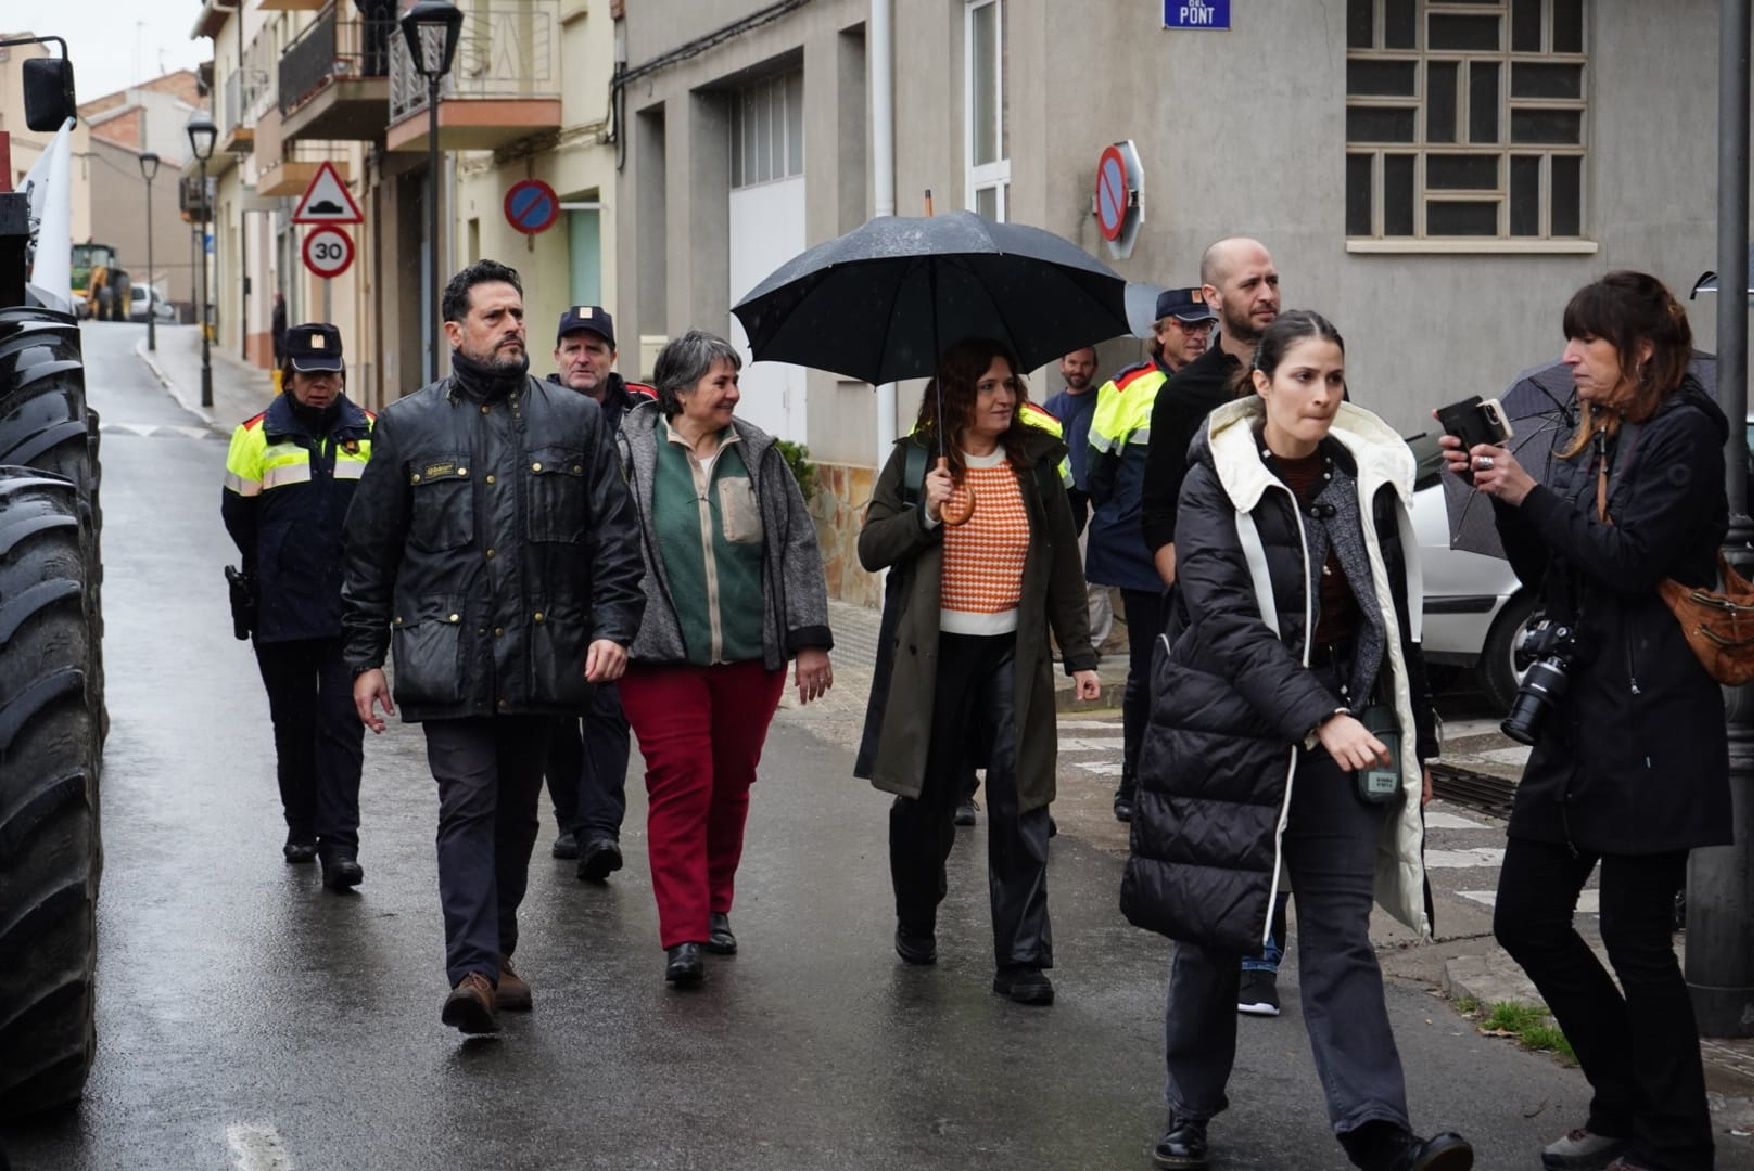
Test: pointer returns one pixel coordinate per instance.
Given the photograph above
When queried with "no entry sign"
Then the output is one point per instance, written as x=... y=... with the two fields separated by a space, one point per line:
x=1118 y=201
x=531 y=206
x=328 y=252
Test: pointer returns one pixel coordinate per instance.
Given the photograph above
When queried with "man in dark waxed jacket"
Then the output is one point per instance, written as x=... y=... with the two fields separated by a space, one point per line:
x=492 y=549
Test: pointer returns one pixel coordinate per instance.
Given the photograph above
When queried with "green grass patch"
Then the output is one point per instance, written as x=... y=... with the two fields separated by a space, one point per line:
x=1529 y=1025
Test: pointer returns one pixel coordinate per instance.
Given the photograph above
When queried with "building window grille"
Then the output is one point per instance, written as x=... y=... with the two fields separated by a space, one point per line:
x=767 y=130
x=1465 y=119
x=986 y=144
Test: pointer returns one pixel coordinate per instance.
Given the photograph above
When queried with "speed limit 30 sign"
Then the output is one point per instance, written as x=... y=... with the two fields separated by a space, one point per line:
x=328 y=252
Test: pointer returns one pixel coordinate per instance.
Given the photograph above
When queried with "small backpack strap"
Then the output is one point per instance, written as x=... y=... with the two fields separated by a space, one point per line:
x=913 y=472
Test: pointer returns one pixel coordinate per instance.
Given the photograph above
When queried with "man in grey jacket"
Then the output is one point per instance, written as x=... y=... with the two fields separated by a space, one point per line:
x=492 y=549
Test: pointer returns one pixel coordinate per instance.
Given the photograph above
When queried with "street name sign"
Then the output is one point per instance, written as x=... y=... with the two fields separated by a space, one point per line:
x=1203 y=14
x=531 y=206
x=327 y=200
x=328 y=252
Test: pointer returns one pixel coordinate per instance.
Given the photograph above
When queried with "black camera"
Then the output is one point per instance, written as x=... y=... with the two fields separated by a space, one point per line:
x=1546 y=654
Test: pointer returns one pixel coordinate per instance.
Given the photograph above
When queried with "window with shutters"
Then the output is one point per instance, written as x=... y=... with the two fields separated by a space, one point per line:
x=1465 y=119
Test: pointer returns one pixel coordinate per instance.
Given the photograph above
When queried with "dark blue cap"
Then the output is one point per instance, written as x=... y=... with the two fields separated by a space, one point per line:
x=314 y=346
x=580 y=318
x=1187 y=304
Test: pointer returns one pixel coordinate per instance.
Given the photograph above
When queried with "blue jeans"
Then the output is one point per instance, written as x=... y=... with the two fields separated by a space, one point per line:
x=1267 y=960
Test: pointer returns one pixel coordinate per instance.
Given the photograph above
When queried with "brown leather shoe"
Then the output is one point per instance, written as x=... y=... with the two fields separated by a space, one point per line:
x=469 y=1007
x=513 y=994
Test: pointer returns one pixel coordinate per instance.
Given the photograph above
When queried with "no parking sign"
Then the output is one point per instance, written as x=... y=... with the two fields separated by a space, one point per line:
x=531 y=206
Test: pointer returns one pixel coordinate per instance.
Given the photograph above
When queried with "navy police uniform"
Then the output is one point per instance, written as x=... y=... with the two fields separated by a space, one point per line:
x=290 y=475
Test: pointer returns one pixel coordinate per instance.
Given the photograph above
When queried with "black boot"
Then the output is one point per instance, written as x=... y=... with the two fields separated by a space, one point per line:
x=719 y=939
x=1182 y=1146
x=1384 y=1146
x=682 y=966
x=341 y=869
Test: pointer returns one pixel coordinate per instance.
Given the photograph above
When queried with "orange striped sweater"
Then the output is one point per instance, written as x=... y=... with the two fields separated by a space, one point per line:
x=982 y=581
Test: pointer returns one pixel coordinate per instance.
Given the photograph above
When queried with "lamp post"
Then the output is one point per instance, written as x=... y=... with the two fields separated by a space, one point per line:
x=149 y=171
x=202 y=135
x=444 y=20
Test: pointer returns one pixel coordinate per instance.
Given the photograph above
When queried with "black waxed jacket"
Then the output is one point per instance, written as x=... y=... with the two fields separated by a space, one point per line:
x=490 y=541
x=1232 y=697
x=1634 y=758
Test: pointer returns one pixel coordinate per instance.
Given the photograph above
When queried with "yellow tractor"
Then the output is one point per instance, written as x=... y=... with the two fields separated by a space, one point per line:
x=100 y=289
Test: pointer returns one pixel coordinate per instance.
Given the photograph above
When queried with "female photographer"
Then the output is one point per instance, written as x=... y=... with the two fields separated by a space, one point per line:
x=1289 y=719
x=1630 y=765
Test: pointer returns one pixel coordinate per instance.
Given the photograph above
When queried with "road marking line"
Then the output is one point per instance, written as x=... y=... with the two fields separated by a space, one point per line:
x=1457 y=729
x=1104 y=768
x=1093 y=743
x=1089 y=725
x=256 y=1146
x=1589 y=902
x=1437 y=819
x=1463 y=859
x=1518 y=755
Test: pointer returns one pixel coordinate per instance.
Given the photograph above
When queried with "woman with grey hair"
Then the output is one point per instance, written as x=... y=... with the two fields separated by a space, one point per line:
x=734 y=588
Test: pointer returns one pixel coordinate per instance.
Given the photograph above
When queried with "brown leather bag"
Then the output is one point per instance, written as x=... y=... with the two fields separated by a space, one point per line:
x=1718 y=624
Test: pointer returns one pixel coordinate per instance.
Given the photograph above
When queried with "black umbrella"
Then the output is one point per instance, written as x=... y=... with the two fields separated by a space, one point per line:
x=1542 y=407
x=881 y=302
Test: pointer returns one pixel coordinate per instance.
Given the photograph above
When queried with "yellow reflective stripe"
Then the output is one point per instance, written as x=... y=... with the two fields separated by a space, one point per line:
x=1123 y=417
x=349 y=469
x=282 y=474
x=1042 y=419
x=1066 y=470
x=243 y=487
x=243 y=459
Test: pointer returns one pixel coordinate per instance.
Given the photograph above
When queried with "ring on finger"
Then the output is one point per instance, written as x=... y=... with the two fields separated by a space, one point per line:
x=1485 y=463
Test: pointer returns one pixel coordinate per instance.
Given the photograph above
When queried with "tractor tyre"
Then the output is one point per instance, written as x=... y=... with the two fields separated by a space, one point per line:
x=51 y=856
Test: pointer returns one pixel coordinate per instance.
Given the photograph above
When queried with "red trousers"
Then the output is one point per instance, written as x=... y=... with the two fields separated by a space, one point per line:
x=700 y=730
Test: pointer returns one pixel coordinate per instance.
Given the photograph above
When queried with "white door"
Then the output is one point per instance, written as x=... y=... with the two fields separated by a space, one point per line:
x=767 y=229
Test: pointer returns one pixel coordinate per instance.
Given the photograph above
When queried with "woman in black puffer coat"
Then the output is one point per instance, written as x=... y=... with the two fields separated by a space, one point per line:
x=1631 y=765
x=1292 y=639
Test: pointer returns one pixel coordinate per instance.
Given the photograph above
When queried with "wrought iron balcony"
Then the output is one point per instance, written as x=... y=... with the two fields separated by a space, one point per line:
x=334 y=78
x=503 y=85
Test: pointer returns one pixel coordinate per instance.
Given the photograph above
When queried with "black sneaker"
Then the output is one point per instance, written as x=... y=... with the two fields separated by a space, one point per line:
x=919 y=948
x=1259 y=993
x=1182 y=1146
x=566 y=848
x=965 y=811
x=1440 y=1152
x=299 y=850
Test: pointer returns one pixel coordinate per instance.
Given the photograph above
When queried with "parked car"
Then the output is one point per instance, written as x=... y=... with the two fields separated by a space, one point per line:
x=137 y=301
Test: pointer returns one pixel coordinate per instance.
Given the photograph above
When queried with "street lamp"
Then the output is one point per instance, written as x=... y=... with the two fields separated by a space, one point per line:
x=148 y=171
x=202 y=135
x=443 y=20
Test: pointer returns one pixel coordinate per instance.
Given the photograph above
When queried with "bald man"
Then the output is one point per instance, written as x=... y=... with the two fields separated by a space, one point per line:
x=1239 y=280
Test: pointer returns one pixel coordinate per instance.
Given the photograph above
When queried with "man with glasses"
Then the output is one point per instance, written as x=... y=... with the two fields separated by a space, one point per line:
x=1120 y=430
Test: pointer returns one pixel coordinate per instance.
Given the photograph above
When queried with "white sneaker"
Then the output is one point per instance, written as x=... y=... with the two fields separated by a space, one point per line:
x=1581 y=1150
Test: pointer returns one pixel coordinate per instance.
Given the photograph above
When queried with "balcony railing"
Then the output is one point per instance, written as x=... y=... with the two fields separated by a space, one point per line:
x=335 y=46
x=508 y=51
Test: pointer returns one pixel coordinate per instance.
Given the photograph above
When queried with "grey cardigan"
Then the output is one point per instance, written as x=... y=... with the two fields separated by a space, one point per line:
x=794 y=592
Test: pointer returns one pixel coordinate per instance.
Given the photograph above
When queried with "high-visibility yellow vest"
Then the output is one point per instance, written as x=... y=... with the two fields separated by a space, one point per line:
x=1042 y=419
x=254 y=466
x=1123 y=408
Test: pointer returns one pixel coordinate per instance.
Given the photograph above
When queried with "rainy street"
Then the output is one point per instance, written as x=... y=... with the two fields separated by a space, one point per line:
x=248 y=1018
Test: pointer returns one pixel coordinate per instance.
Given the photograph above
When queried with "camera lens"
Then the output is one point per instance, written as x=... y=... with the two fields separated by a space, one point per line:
x=1542 y=688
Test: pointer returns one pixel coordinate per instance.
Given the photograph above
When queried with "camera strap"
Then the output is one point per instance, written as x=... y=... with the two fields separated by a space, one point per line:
x=1623 y=448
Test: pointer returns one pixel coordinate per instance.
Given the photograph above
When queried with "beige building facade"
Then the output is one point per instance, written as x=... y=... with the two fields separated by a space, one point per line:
x=1436 y=177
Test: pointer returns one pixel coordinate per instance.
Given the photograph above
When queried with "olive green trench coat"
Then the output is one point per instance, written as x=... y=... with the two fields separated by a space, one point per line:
x=898 y=719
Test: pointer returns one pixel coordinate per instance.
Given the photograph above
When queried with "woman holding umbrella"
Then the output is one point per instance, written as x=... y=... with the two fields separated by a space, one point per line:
x=969 y=668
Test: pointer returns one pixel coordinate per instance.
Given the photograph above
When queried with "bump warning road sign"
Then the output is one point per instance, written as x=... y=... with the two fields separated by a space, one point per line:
x=327 y=201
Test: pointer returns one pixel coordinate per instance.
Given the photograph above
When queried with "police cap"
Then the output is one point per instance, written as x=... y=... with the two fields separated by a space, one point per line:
x=581 y=318
x=314 y=346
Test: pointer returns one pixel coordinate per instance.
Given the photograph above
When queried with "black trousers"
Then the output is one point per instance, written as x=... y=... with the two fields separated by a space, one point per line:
x=319 y=743
x=587 y=769
x=973 y=712
x=1145 y=620
x=1329 y=851
x=1639 y=1049
x=489 y=774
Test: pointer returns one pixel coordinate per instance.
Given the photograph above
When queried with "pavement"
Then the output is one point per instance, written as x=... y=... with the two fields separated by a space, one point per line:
x=249 y=1019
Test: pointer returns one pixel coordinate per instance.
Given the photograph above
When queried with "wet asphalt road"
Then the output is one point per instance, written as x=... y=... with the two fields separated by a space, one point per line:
x=248 y=1018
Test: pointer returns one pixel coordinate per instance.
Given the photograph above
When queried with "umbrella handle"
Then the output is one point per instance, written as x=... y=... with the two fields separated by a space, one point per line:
x=959 y=508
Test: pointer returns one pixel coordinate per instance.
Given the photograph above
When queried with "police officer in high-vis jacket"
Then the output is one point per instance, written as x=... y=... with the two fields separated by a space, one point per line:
x=289 y=477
